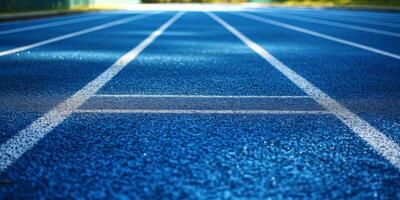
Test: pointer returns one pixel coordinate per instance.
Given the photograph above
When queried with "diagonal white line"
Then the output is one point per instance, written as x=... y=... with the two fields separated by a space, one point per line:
x=43 y=20
x=198 y=96
x=51 y=24
x=341 y=25
x=21 y=142
x=382 y=144
x=348 y=19
x=249 y=112
x=363 y=21
x=320 y=35
x=74 y=34
x=357 y=15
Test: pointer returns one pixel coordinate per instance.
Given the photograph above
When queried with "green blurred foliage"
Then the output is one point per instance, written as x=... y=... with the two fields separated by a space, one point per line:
x=30 y=5
x=334 y=2
x=291 y=2
x=194 y=1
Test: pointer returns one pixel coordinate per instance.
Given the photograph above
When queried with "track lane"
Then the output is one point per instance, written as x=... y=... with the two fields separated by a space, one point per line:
x=389 y=26
x=20 y=40
x=372 y=77
x=33 y=82
x=368 y=41
x=53 y=19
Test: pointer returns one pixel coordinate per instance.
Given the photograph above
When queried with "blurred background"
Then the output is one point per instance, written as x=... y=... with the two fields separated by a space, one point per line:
x=35 y=5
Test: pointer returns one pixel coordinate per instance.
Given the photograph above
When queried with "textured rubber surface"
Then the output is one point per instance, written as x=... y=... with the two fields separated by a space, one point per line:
x=195 y=156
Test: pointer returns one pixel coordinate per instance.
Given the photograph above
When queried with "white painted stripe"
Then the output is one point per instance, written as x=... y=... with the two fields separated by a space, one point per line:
x=243 y=112
x=382 y=144
x=198 y=96
x=370 y=15
x=74 y=34
x=322 y=11
x=51 y=24
x=320 y=35
x=341 y=25
x=46 y=19
x=348 y=19
x=327 y=15
x=21 y=142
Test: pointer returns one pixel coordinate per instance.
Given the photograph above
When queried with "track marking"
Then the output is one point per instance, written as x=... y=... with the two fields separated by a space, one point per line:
x=74 y=34
x=363 y=21
x=320 y=35
x=24 y=140
x=249 y=112
x=201 y=104
x=378 y=23
x=382 y=144
x=341 y=25
x=51 y=24
x=48 y=19
x=199 y=96
x=327 y=14
x=370 y=15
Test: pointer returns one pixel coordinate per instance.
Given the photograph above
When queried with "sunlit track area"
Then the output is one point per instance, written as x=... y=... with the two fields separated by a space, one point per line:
x=201 y=101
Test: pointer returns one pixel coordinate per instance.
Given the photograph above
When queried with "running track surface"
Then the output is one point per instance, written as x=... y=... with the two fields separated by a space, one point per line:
x=241 y=103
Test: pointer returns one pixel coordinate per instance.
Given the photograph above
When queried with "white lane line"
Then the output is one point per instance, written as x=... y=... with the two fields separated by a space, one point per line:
x=198 y=96
x=370 y=15
x=320 y=35
x=74 y=34
x=51 y=24
x=341 y=25
x=382 y=144
x=363 y=21
x=24 y=140
x=44 y=20
x=250 y=112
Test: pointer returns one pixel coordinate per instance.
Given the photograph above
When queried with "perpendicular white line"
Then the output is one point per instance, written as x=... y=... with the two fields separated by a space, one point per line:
x=199 y=96
x=21 y=142
x=244 y=112
x=51 y=24
x=341 y=25
x=74 y=34
x=379 y=141
x=317 y=34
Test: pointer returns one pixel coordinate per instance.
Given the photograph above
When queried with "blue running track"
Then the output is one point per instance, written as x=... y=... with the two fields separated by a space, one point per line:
x=243 y=104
